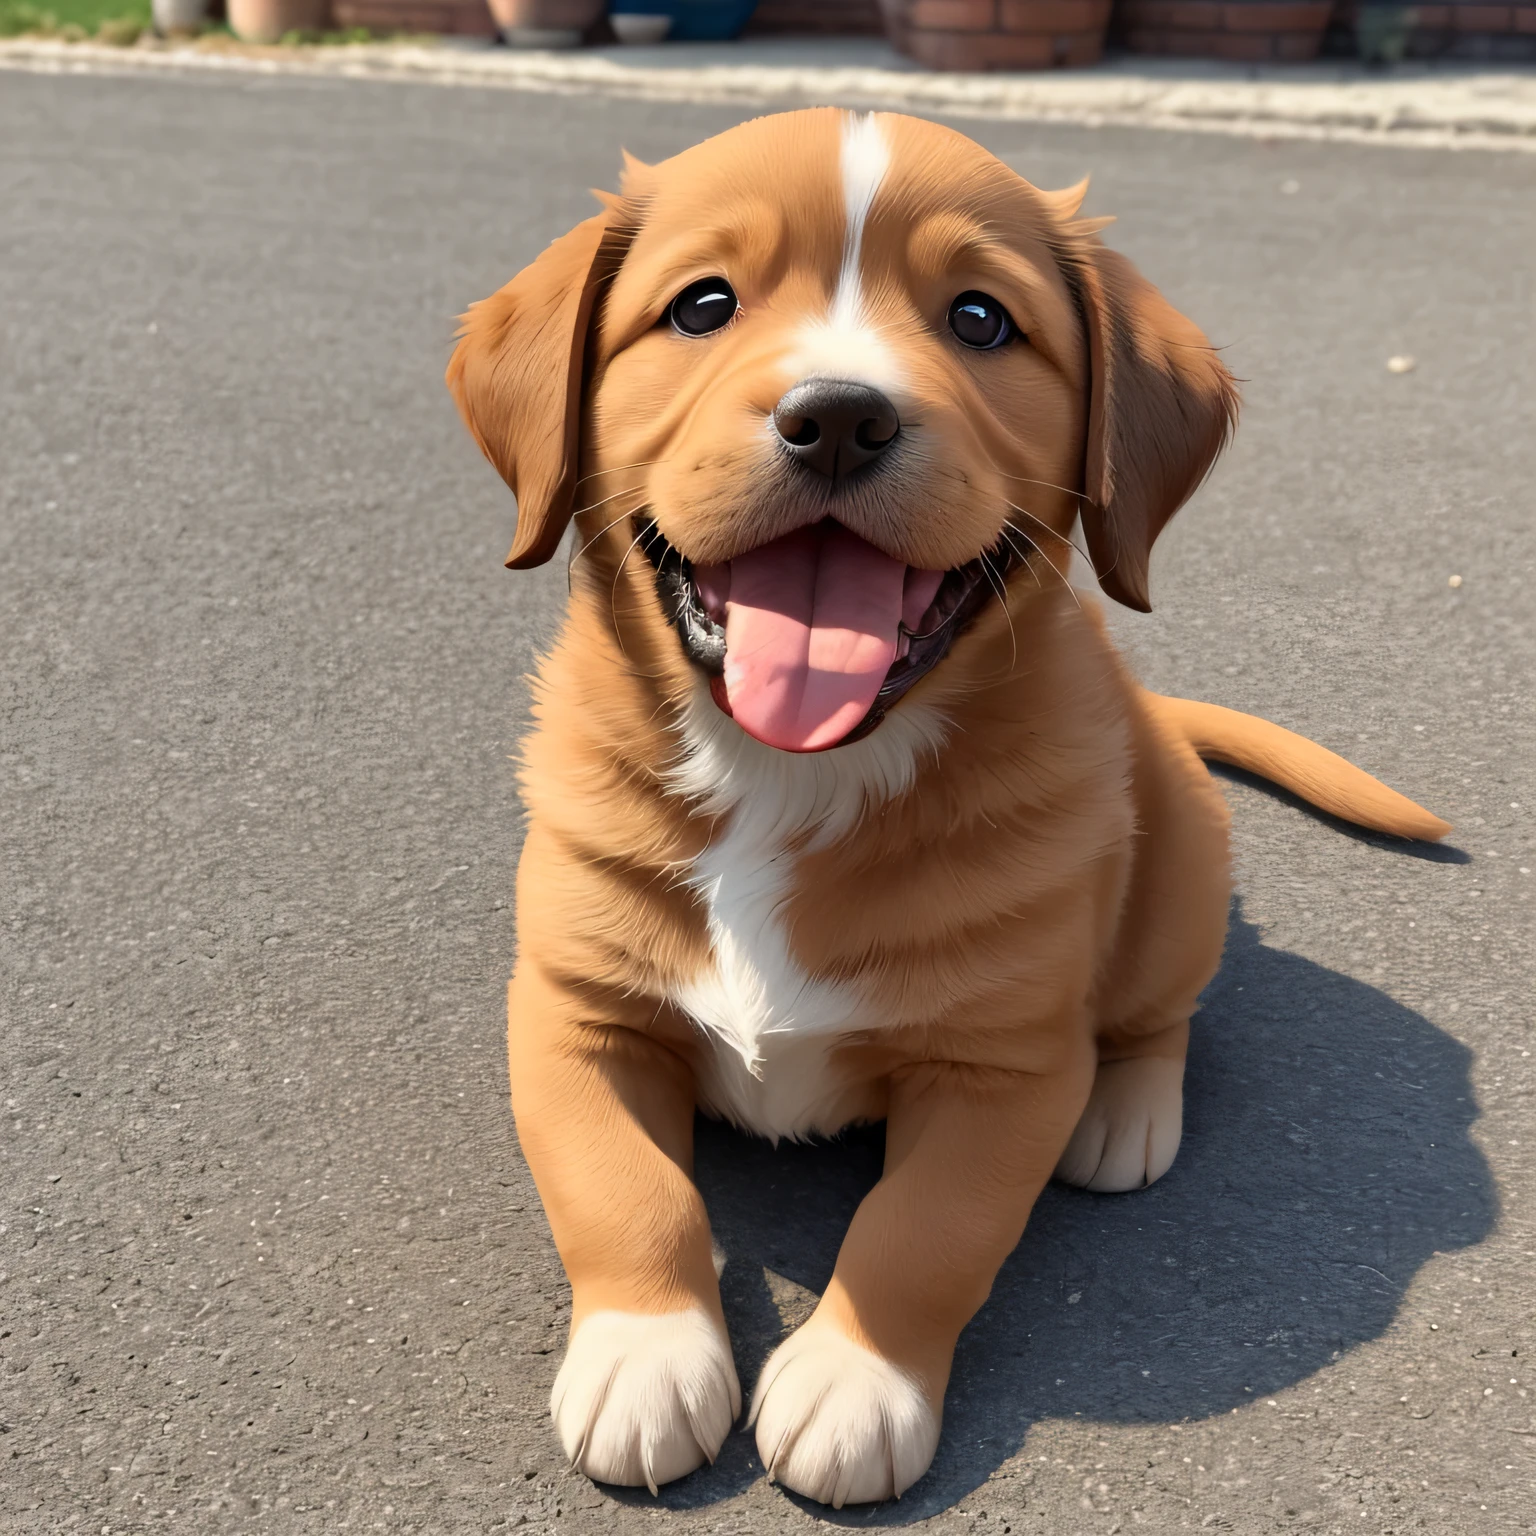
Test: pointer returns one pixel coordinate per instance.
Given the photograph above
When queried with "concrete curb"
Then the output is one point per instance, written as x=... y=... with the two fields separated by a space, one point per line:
x=1426 y=108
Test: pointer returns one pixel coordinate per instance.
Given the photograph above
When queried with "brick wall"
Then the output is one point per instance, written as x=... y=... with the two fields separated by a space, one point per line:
x=469 y=18
x=1001 y=34
x=1481 y=33
x=1240 y=30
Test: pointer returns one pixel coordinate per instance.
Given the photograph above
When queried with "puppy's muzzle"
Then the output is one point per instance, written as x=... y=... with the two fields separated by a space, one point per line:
x=834 y=427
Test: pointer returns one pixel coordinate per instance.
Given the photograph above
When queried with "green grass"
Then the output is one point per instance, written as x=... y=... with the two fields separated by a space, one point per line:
x=74 y=17
x=330 y=39
x=121 y=21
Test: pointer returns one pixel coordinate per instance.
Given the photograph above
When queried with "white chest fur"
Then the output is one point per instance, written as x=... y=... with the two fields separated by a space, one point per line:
x=770 y=1025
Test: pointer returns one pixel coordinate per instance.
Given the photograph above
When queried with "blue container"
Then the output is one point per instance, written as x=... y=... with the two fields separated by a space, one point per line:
x=701 y=21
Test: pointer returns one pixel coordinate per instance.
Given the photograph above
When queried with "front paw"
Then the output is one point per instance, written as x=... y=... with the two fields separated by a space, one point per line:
x=645 y=1398
x=840 y=1424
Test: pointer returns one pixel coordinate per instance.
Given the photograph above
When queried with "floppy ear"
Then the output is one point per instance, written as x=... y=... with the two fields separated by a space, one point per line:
x=1161 y=408
x=516 y=374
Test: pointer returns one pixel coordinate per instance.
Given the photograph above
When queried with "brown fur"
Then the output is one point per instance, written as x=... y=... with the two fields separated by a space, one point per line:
x=1032 y=919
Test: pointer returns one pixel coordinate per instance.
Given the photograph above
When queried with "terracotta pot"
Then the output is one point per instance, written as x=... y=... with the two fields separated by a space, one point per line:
x=267 y=21
x=998 y=34
x=1245 y=30
x=546 y=23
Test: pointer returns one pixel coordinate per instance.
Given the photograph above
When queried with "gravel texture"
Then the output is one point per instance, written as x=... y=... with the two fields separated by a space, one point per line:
x=269 y=1257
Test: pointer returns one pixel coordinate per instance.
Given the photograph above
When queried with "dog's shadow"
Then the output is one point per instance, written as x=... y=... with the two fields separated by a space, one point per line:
x=1326 y=1156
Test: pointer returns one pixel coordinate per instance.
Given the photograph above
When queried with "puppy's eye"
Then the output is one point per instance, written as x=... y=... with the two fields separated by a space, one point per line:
x=979 y=321
x=703 y=307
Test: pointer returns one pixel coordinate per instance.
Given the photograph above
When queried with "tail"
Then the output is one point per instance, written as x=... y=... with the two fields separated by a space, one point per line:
x=1318 y=776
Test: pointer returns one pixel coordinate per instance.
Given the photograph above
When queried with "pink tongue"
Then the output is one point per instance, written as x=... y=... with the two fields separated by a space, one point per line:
x=810 y=632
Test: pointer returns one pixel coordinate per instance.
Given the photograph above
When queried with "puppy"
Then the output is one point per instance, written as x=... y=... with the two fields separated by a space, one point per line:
x=841 y=806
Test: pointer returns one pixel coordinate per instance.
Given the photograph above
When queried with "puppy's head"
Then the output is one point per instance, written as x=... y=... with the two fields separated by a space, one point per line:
x=837 y=374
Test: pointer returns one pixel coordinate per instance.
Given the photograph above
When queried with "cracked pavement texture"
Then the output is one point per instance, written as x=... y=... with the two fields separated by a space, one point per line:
x=269 y=1257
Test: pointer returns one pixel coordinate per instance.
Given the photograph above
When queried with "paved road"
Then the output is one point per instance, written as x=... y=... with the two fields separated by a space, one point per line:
x=270 y=1257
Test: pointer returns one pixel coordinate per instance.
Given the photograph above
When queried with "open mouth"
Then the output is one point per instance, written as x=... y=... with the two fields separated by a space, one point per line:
x=811 y=639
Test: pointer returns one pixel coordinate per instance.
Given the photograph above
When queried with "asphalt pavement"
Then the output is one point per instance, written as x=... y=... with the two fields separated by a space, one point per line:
x=269 y=1257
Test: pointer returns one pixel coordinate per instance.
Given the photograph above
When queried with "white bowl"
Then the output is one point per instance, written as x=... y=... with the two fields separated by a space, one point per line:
x=634 y=27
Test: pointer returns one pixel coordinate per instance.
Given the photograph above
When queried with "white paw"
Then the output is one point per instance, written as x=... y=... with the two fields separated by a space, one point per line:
x=838 y=1423
x=1130 y=1131
x=645 y=1398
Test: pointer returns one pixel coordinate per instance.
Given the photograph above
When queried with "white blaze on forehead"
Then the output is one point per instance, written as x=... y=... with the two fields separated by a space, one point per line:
x=844 y=344
x=866 y=158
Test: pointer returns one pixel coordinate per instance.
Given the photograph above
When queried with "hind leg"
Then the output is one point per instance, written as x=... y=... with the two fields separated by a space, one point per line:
x=1130 y=1130
x=1167 y=948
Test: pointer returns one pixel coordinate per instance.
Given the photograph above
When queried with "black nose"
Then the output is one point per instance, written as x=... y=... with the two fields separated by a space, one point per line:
x=834 y=427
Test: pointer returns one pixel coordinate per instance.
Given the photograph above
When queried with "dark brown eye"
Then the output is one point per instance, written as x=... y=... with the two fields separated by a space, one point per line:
x=703 y=307
x=980 y=322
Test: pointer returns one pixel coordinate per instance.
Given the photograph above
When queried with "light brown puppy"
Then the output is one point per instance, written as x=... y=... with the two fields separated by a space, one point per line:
x=841 y=805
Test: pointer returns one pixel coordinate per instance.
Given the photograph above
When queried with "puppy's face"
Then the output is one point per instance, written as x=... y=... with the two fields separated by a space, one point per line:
x=841 y=372
x=782 y=343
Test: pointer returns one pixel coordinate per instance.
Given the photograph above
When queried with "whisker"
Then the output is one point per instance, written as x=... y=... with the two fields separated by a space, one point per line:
x=614 y=469
x=1030 y=548
x=1016 y=537
x=1071 y=590
x=1050 y=485
x=1001 y=588
x=1045 y=527
x=627 y=512
x=613 y=595
x=1025 y=512
x=592 y=506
